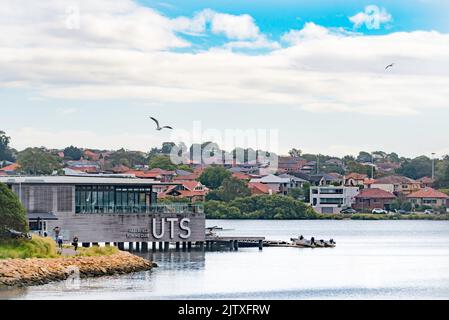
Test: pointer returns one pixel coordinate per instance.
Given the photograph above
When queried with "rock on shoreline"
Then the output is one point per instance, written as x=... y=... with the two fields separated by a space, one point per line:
x=34 y=271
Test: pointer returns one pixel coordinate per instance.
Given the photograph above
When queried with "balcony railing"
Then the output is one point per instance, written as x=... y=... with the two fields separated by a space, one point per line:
x=155 y=208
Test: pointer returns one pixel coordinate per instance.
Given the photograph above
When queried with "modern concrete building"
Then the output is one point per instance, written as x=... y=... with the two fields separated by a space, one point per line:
x=332 y=199
x=106 y=209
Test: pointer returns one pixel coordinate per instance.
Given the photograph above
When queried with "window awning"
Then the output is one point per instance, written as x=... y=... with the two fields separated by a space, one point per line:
x=43 y=216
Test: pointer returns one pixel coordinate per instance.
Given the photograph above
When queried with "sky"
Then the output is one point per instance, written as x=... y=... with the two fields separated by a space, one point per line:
x=274 y=74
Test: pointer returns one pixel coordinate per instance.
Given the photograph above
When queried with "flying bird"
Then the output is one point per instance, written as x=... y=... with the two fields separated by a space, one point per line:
x=389 y=66
x=158 y=127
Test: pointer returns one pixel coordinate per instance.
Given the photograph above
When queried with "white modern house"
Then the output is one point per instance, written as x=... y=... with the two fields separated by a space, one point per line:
x=332 y=199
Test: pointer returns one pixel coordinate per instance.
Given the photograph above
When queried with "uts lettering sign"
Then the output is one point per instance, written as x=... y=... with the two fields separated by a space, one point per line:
x=173 y=227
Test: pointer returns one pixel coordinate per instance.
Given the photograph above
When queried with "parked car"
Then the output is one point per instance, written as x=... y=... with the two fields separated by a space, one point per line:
x=400 y=211
x=379 y=211
x=429 y=211
x=348 y=210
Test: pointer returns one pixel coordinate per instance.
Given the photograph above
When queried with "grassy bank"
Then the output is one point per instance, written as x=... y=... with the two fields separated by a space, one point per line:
x=20 y=248
x=40 y=247
x=96 y=251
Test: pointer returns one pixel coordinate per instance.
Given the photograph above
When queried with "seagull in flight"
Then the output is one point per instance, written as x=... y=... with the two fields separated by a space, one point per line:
x=389 y=66
x=158 y=127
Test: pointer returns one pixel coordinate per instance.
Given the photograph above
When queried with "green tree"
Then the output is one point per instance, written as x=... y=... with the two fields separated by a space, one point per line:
x=73 y=153
x=295 y=153
x=416 y=168
x=5 y=150
x=232 y=188
x=37 y=161
x=162 y=162
x=442 y=177
x=259 y=207
x=364 y=157
x=212 y=177
x=166 y=147
x=127 y=158
x=12 y=213
x=296 y=193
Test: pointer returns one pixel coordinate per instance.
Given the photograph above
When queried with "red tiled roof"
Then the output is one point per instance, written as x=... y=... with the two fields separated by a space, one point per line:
x=189 y=184
x=188 y=177
x=394 y=180
x=143 y=174
x=241 y=176
x=161 y=171
x=259 y=186
x=428 y=193
x=426 y=180
x=11 y=167
x=375 y=193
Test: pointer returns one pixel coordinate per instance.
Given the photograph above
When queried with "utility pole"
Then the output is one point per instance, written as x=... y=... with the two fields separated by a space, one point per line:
x=433 y=165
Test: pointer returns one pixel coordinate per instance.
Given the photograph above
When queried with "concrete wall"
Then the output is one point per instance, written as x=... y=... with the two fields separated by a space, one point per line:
x=113 y=227
x=131 y=227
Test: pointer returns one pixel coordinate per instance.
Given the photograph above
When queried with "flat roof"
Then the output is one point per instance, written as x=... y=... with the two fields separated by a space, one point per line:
x=79 y=180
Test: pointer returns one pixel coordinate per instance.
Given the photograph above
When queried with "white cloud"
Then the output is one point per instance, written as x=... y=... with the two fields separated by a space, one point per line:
x=122 y=51
x=242 y=29
x=373 y=17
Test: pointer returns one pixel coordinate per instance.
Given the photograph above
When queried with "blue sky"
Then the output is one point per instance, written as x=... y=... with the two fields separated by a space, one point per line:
x=303 y=68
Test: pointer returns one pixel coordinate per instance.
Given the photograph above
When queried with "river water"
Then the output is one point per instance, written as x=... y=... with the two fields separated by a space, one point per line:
x=372 y=260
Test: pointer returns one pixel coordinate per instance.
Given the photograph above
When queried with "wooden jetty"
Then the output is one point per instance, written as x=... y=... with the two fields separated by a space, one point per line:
x=234 y=241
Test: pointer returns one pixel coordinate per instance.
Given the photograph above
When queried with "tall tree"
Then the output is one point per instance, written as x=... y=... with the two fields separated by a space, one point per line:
x=416 y=168
x=232 y=188
x=73 y=153
x=36 y=161
x=162 y=162
x=5 y=150
x=212 y=177
x=295 y=153
x=12 y=213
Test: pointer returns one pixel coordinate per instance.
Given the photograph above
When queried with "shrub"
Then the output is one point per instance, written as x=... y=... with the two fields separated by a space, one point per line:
x=12 y=213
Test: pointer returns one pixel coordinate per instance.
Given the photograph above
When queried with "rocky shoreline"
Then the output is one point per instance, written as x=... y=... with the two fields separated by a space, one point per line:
x=37 y=271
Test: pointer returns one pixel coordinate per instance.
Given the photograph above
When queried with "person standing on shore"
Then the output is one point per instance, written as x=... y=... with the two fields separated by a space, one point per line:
x=56 y=230
x=60 y=241
x=75 y=242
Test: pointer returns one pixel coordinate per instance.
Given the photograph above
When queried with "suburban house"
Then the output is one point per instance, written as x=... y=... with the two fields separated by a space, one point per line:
x=275 y=183
x=429 y=197
x=290 y=164
x=355 y=179
x=295 y=182
x=195 y=191
x=398 y=185
x=332 y=199
x=84 y=165
x=369 y=199
x=426 y=182
x=241 y=176
x=259 y=188
x=9 y=169
x=323 y=179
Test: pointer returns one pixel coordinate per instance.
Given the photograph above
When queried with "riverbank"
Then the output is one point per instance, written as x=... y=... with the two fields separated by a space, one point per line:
x=38 y=271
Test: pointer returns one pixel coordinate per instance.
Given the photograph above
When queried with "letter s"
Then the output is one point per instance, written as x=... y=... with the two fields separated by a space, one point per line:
x=183 y=225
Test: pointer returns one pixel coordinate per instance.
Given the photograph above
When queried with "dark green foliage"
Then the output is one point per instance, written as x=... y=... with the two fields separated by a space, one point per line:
x=259 y=207
x=12 y=213
x=73 y=153
x=162 y=162
x=212 y=177
x=38 y=161
x=5 y=152
x=230 y=189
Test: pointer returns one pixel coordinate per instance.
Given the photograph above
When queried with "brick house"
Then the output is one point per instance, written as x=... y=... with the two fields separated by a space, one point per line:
x=429 y=197
x=368 y=199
